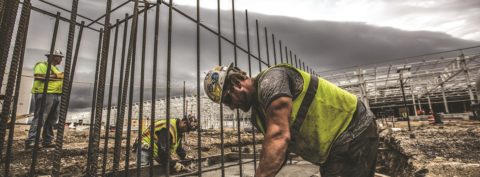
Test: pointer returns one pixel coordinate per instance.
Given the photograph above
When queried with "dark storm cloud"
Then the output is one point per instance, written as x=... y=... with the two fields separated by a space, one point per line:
x=330 y=45
x=323 y=45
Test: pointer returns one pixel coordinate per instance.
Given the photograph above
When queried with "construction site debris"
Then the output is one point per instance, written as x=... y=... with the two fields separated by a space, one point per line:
x=450 y=149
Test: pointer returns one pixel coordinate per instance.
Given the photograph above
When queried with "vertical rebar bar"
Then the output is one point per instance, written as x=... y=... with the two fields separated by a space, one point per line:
x=258 y=47
x=199 y=117
x=250 y=75
x=266 y=45
x=222 y=152
x=93 y=158
x=303 y=63
x=237 y=111
x=44 y=97
x=109 y=104
x=169 y=65
x=286 y=55
x=219 y=37
x=142 y=87
x=274 y=49
x=291 y=59
x=281 y=52
x=66 y=89
x=296 y=62
x=234 y=37
x=248 y=44
x=95 y=86
x=15 y=75
x=6 y=32
x=74 y=64
x=130 y=113
x=122 y=92
x=184 y=106
x=154 y=85
x=184 y=111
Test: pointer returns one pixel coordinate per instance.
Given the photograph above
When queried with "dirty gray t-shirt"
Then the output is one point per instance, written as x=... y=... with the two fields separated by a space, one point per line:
x=282 y=81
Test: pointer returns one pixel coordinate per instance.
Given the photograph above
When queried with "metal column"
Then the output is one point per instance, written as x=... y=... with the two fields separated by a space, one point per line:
x=413 y=100
x=404 y=100
x=444 y=99
x=363 y=91
x=419 y=104
x=429 y=104
x=467 y=77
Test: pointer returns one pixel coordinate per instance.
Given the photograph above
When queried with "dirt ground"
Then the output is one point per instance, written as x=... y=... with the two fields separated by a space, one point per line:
x=449 y=149
x=75 y=150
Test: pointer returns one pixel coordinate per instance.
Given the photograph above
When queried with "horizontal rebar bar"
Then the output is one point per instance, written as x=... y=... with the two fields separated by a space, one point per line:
x=66 y=10
x=39 y=10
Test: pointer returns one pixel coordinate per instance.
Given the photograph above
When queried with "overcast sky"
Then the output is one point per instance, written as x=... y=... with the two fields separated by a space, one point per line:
x=459 y=18
x=326 y=35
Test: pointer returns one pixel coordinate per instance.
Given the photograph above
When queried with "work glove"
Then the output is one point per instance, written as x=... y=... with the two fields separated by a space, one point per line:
x=59 y=75
x=180 y=168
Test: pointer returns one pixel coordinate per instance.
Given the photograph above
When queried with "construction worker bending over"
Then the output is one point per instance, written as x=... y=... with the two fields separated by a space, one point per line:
x=52 y=102
x=177 y=128
x=300 y=113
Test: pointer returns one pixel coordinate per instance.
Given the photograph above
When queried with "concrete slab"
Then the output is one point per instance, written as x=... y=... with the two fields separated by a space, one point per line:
x=290 y=170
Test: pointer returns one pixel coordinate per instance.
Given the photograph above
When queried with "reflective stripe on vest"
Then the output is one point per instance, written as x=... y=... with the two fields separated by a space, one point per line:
x=320 y=113
x=160 y=125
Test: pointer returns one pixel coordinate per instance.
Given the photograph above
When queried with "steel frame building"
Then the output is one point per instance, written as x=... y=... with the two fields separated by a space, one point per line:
x=427 y=79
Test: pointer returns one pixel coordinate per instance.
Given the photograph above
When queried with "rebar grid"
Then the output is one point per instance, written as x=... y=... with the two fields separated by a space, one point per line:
x=448 y=77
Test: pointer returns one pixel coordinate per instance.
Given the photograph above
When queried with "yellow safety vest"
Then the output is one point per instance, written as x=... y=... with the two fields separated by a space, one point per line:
x=54 y=86
x=320 y=113
x=160 y=125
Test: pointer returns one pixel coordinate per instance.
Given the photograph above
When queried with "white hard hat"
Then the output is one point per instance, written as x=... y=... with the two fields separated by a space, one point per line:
x=56 y=52
x=214 y=82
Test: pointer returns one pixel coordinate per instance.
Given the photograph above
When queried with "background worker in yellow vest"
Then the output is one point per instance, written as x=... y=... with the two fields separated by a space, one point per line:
x=300 y=113
x=51 y=107
x=177 y=128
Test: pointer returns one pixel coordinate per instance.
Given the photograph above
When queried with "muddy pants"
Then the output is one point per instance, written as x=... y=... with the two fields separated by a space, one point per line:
x=49 y=117
x=356 y=157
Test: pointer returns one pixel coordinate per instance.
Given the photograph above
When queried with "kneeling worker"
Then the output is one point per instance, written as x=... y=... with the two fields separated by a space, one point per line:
x=177 y=128
x=300 y=113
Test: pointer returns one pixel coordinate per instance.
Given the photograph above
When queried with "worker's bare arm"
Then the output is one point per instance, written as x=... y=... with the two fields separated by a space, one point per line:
x=276 y=138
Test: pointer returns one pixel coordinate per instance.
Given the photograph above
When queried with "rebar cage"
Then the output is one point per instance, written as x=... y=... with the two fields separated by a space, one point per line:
x=441 y=78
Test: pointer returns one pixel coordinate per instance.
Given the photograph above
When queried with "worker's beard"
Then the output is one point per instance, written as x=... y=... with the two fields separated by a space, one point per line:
x=244 y=104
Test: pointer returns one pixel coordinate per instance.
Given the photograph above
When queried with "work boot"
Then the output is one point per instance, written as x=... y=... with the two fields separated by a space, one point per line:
x=29 y=145
x=48 y=145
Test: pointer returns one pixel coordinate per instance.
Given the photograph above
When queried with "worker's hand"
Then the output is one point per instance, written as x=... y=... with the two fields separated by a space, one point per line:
x=59 y=75
x=174 y=158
